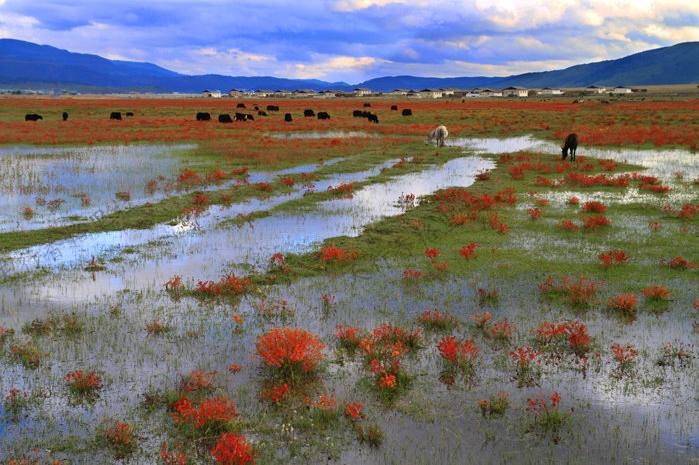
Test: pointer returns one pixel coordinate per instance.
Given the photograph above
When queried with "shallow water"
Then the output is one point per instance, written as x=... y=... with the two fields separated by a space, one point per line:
x=322 y=135
x=69 y=175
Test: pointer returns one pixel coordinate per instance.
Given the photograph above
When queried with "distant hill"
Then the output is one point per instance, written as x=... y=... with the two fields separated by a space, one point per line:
x=25 y=65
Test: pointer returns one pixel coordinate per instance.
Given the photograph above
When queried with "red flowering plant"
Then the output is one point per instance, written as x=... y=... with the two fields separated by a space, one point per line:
x=527 y=365
x=468 y=251
x=175 y=456
x=209 y=417
x=580 y=293
x=119 y=436
x=435 y=320
x=656 y=297
x=624 y=303
x=546 y=416
x=353 y=410
x=612 y=257
x=227 y=286
x=84 y=384
x=481 y=320
x=501 y=331
x=679 y=263
x=625 y=357
x=291 y=354
x=349 y=337
x=563 y=337
x=233 y=449
x=459 y=356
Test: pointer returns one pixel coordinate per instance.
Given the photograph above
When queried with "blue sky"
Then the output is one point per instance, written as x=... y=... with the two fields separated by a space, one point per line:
x=354 y=40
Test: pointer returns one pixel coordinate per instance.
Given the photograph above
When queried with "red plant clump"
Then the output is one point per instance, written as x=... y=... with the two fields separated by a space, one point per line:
x=481 y=319
x=353 y=410
x=624 y=354
x=584 y=180
x=333 y=253
x=233 y=449
x=290 y=349
x=460 y=353
x=656 y=292
x=688 y=211
x=349 y=336
x=288 y=181
x=612 y=257
x=502 y=330
x=198 y=380
x=534 y=213
x=80 y=382
x=344 y=189
x=210 y=416
x=467 y=251
x=229 y=285
x=568 y=225
x=573 y=201
x=594 y=206
x=437 y=320
x=625 y=303
x=189 y=176
x=432 y=253
x=579 y=293
x=174 y=284
x=174 y=457
x=524 y=356
x=596 y=221
x=679 y=263
x=276 y=393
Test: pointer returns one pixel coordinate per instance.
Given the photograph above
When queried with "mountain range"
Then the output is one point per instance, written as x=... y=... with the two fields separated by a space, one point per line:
x=29 y=66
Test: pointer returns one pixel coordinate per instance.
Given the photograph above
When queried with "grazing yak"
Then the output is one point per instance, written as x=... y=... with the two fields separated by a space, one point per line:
x=272 y=107
x=65 y=116
x=372 y=118
x=225 y=118
x=129 y=114
x=203 y=116
x=261 y=113
x=407 y=112
x=394 y=107
x=240 y=105
x=308 y=113
x=571 y=143
x=32 y=117
x=323 y=115
x=367 y=104
x=439 y=133
x=287 y=117
x=115 y=115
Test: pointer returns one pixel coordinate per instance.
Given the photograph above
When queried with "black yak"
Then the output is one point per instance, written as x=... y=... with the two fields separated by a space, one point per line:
x=272 y=108
x=308 y=113
x=225 y=118
x=394 y=107
x=287 y=117
x=323 y=115
x=65 y=116
x=571 y=143
x=407 y=112
x=32 y=117
x=203 y=116
x=115 y=115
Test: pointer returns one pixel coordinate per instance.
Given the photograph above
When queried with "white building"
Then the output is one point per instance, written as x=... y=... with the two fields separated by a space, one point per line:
x=550 y=91
x=212 y=93
x=621 y=90
x=515 y=91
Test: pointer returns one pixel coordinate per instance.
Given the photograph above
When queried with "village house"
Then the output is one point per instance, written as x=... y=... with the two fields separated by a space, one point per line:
x=515 y=91
x=212 y=93
x=621 y=90
x=595 y=90
x=361 y=92
x=549 y=91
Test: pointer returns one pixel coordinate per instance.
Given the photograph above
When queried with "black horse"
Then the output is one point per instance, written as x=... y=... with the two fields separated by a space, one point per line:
x=571 y=143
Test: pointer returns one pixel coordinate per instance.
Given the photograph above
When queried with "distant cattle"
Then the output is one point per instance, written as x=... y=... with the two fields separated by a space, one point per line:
x=359 y=114
x=249 y=117
x=372 y=118
x=240 y=105
x=115 y=115
x=287 y=117
x=309 y=113
x=256 y=108
x=407 y=112
x=323 y=115
x=32 y=117
x=571 y=143
x=439 y=133
x=261 y=113
x=203 y=116
x=272 y=108
x=394 y=107
x=367 y=104
x=65 y=116
x=129 y=114
x=225 y=118
x=240 y=117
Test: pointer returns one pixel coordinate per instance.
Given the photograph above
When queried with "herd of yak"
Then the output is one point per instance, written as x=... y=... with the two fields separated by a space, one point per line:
x=439 y=134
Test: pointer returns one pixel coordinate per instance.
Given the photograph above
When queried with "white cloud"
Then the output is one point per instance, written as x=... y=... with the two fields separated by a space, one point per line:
x=356 y=5
x=346 y=67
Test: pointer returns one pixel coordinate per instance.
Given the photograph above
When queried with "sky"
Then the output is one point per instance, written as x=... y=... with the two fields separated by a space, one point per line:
x=354 y=40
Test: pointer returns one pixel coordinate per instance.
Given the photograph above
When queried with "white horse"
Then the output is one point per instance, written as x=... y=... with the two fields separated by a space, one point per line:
x=439 y=133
